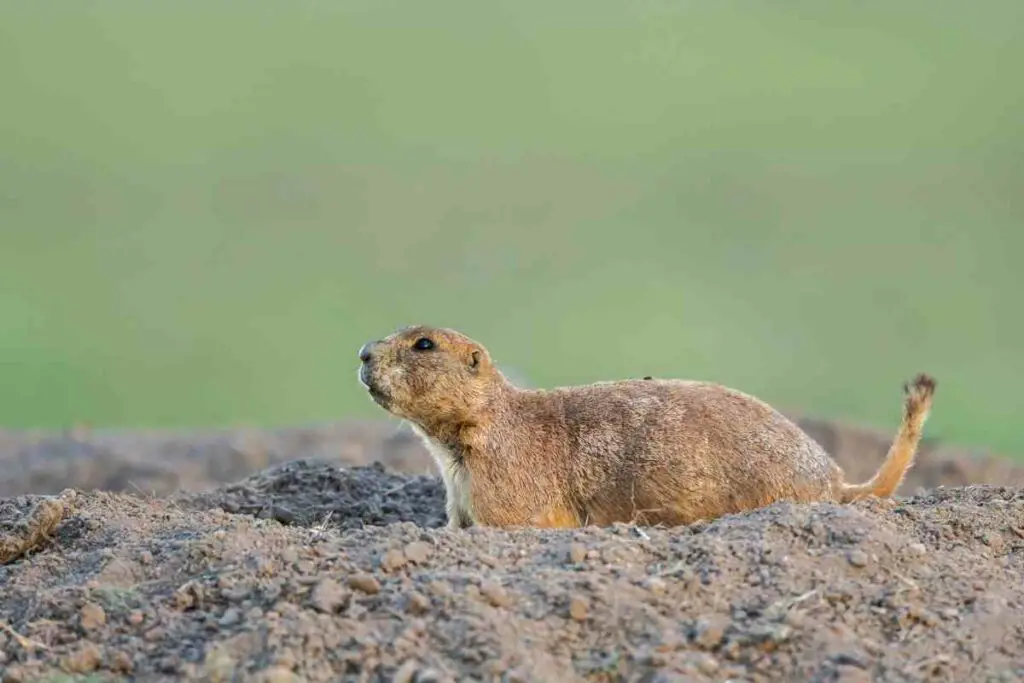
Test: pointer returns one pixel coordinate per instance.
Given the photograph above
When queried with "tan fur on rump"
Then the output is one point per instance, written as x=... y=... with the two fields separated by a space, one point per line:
x=649 y=451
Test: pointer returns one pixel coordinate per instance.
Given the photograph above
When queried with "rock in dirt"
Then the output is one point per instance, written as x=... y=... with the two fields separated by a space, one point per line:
x=495 y=593
x=84 y=659
x=857 y=557
x=577 y=553
x=92 y=616
x=328 y=596
x=579 y=607
x=418 y=552
x=121 y=662
x=393 y=560
x=367 y=583
x=277 y=674
x=709 y=633
x=418 y=603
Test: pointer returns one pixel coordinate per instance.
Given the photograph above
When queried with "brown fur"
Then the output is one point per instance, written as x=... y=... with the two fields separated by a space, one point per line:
x=650 y=451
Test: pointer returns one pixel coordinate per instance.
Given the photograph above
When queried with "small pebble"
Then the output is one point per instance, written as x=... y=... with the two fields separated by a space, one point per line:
x=429 y=675
x=285 y=659
x=121 y=662
x=219 y=665
x=515 y=676
x=406 y=673
x=579 y=608
x=92 y=616
x=393 y=560
x=366 y=583
x=13 y=674
x=86 y=659
x=439 y=589
x=709 y=633
x=235 y=593
x=230 y=617
x=705 y=663
x=189 y=595
x=495 y=594
x=768 y=636
x=996 y=543
x=328 y=596
x=577 y=553
x=857 y=558
x=922 y=615
x=418 y=552
x=277 y=674
x=612 y=555
x=418 y=603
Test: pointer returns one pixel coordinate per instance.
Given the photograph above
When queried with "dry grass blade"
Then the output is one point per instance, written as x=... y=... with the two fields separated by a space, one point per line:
x=25 y=643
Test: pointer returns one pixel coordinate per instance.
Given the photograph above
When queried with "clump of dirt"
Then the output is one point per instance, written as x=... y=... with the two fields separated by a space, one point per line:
x=929 y=588
x=162 y=463
x=27 y=522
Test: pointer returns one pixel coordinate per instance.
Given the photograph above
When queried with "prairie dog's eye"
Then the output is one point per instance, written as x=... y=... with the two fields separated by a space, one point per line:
x=423 y=344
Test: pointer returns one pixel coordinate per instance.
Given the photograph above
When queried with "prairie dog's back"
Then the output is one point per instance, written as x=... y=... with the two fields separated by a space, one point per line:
x=695 y=447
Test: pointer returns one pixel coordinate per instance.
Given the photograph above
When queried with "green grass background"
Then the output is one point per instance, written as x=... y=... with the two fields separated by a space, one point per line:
x=206 y=207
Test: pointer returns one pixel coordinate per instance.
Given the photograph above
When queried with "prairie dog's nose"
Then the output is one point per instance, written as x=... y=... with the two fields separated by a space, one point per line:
x=366 y=352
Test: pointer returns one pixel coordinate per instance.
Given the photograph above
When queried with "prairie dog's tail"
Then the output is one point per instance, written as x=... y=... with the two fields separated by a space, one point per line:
x=887 y=479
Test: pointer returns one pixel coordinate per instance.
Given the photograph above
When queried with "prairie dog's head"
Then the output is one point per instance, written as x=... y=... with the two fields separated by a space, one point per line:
x=428 y=375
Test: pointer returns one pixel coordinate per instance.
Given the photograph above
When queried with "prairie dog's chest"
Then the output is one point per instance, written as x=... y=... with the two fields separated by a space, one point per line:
x=447 y=461
x=453 y=471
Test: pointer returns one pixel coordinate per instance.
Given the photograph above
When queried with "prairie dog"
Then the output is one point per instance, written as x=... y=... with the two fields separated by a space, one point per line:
x=646 y=451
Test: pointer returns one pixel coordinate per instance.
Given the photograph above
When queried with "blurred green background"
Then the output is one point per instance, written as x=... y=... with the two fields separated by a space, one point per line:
x=206 y=207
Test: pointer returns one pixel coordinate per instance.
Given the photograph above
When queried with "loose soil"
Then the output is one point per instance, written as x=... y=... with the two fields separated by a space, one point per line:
x=286 y=556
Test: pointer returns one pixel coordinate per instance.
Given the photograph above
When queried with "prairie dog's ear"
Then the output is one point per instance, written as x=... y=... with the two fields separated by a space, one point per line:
x=477 y=359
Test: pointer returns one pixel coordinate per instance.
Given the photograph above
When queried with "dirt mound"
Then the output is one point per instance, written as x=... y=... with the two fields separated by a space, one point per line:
x=929 y=588
x=164 y=462
x=308 y=492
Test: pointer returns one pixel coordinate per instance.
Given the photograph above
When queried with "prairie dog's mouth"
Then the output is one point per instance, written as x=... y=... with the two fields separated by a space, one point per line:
x=366 y=379
x=364 y=376
x=380 y=399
